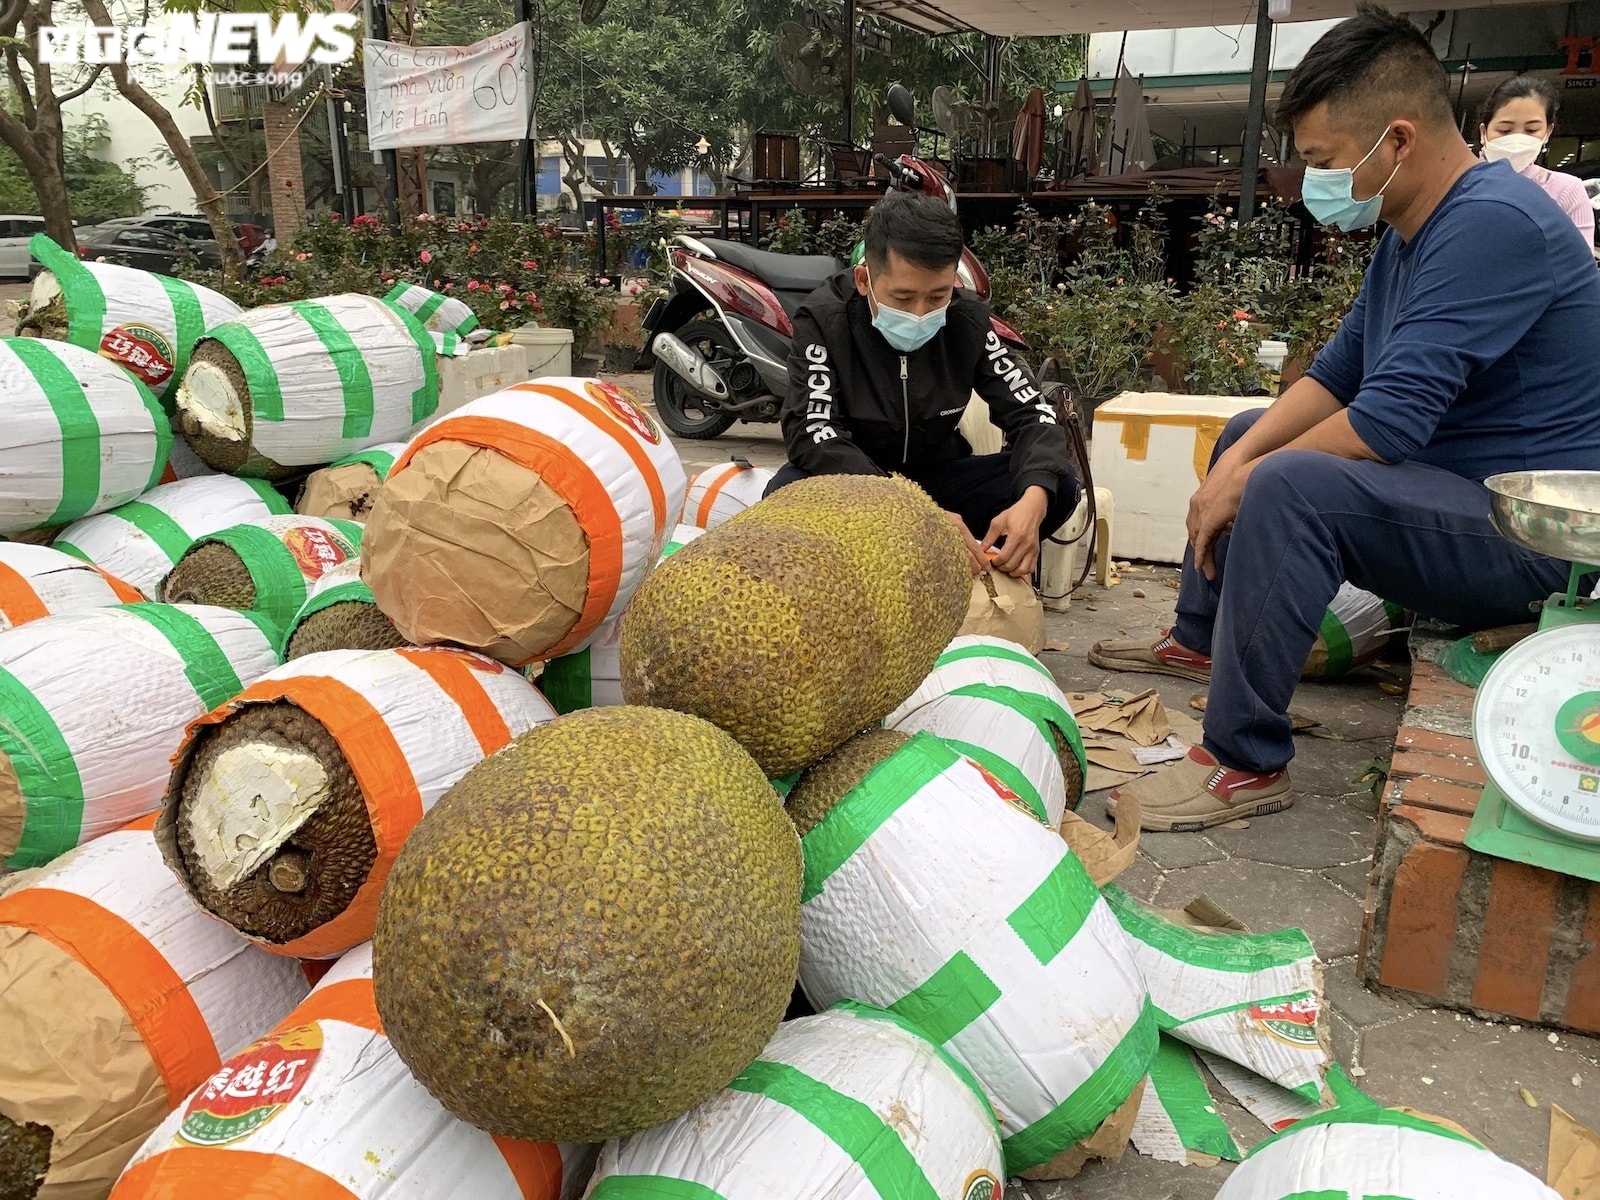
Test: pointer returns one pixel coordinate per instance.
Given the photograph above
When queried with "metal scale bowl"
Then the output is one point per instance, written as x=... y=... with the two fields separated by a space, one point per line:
x=1536 y=718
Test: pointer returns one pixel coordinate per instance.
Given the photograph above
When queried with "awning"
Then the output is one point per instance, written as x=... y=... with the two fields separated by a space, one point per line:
x=1282 y=182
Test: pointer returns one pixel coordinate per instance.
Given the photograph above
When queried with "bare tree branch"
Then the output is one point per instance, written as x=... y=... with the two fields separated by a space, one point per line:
x=94 y=78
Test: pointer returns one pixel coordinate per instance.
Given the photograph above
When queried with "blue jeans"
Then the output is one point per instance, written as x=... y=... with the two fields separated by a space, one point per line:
x=1415 y=535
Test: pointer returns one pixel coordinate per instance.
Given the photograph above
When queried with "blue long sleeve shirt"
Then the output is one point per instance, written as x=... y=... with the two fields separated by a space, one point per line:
x=1472 y=347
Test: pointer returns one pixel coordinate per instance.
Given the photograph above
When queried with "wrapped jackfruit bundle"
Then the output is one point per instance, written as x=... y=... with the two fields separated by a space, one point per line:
x=339 y=614
x=92 y=706
x=521 y=522
x=933 y=891
x=437 y=312
x=852 y=1104
x=1001 y=707
x=592 y=677
x=146 y=323
x=183 y=463
x=118 y=997
x=142 y=541
x=1363 y=1149
x=721 y=493
x=1252 y=998
x=288 y=804
x=265 y=566
x=302 y=384
x=37 y=581
x=322 y=1106
x=80 y=435
x=1355 y=629
x=346 y=489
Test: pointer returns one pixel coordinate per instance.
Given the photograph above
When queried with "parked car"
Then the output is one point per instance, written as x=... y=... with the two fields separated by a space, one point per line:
x=144 y=247
x=14 y=234
x=195 y=228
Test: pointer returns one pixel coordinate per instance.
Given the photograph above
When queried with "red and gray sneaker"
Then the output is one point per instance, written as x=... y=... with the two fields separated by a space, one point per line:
x=1200 y=792
x=1158 y=655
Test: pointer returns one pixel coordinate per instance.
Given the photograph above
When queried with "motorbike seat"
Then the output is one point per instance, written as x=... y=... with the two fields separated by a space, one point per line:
x=802 y=273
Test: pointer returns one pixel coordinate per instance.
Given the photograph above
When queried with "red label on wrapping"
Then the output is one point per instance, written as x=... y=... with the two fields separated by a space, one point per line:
x=141 y=351
x=314 y=551
x=623 y=407
x=253 y=1087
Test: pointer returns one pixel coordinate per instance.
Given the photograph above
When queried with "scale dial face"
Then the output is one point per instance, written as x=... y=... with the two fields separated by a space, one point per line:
x=1536 y=723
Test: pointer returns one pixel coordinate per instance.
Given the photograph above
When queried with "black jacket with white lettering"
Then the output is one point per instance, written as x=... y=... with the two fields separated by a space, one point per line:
x=857 y=406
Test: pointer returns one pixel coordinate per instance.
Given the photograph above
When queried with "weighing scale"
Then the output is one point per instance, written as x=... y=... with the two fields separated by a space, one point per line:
x=1536 y=719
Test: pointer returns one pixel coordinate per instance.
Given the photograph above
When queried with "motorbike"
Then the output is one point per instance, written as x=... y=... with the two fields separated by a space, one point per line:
x=719 y=340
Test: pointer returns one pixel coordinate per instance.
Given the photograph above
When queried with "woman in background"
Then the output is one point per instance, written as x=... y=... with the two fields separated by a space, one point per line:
x=1518 y=119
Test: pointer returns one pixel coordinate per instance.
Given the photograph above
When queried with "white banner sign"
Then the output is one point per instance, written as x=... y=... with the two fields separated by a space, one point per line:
x=436 y=95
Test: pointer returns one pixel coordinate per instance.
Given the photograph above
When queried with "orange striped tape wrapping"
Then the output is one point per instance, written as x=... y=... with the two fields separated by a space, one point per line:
x=18 y=601
x=186 y=1172
x=629 y=444
x=458 y=679
x=133 y=971
x=703 y=514
x=572 y=480
x=127 y=593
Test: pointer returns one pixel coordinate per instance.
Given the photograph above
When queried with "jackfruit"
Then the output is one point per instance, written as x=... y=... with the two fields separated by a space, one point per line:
x=24 y=1159
x=907 y=552
x=763 y=632
x=835 y=777
x=345 y=625
x=594 y=931
x=264 y=566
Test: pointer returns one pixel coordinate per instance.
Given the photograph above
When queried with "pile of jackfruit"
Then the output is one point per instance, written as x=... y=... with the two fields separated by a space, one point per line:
x=489 y=833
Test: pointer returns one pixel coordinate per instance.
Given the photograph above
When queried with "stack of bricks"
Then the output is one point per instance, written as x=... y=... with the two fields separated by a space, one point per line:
x=1447 y=925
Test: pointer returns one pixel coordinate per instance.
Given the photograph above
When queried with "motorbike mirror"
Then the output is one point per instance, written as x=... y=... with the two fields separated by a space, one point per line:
x=902 y=105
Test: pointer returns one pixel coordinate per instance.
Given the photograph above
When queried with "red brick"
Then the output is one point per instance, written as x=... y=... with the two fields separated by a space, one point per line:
x=1583 y=995
x=1438 y=766
x=1412 y=738
x=1433 y=696
x=1448 y=829
x=1422 y=918
x=1423 y=792
x=1514 y=953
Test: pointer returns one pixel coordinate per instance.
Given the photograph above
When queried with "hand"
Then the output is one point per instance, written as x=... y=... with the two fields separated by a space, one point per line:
x=1211 y=512
x=980 y=564
x=1018 y=526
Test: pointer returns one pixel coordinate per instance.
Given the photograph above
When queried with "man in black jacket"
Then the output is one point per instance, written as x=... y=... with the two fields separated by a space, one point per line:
x=885 y=358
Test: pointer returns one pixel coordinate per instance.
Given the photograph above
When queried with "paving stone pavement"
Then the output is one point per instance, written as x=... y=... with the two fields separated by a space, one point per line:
x=1306 y=867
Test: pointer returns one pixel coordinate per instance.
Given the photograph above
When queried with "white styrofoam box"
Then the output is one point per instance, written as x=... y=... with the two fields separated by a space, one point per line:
x=549 y=350
x=480 y=373
x=1152 y=450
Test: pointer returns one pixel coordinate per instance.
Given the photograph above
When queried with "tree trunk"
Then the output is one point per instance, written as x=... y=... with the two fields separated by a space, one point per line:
x=205 y=195
x=42 y=154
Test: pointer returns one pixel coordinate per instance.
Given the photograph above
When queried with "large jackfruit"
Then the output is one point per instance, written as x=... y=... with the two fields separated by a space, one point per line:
x=594 y=930
x=816 y=792
x=803 y=620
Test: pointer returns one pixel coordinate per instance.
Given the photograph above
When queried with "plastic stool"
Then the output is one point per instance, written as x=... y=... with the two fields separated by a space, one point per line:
x=1058 y=564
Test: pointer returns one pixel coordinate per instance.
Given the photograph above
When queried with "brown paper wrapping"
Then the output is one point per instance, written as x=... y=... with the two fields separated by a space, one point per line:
x=466 y=546
x=1109 y=1142
x=1104 y=855
x=74 y=1062
x=35 y=537
x=1004 y=607
x=1574 y=1165
x=13 y=810
x=344 y=492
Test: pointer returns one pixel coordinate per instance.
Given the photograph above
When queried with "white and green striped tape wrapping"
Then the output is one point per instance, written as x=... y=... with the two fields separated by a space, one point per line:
x=1252 y=998
x=933 y=892
x=438 y=313
x=380 y=458
x=1000 y=706
x=94 y=704
x=327 y=377
x=141 y=542
x=337 y=585
x=1176 y=1114
x=104 y=301
x=1355 y=628
x=285 y=556
x=1361 y=1151
x=852 y=1104
x=80 y=435
x=592 y=677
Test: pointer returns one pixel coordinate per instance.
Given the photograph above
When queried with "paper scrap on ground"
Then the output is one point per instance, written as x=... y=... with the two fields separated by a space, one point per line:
x=1126 y=736
x=1275 y=1107
x=1168 y=751
x=1177 y=1120
x=1104 y=855
x=1139 y=717
x=1574 y=1165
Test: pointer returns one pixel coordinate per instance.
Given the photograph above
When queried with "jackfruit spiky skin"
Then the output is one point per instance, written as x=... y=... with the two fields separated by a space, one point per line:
x=912 y=561
x=816 y=792
x=764 y=632
x=210 y=573
x=594 y=931
x=24 y=1159
x=348 y=625
x=336 y=842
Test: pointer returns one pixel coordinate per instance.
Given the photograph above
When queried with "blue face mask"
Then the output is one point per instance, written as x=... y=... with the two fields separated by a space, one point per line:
x=1330 y=194
x=902 y=330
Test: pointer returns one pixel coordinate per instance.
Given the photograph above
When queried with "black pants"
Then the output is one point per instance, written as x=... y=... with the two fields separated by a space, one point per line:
x=978 y=487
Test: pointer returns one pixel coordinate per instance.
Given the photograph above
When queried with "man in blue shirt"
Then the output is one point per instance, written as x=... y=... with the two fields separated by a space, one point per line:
x=1468 y=352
